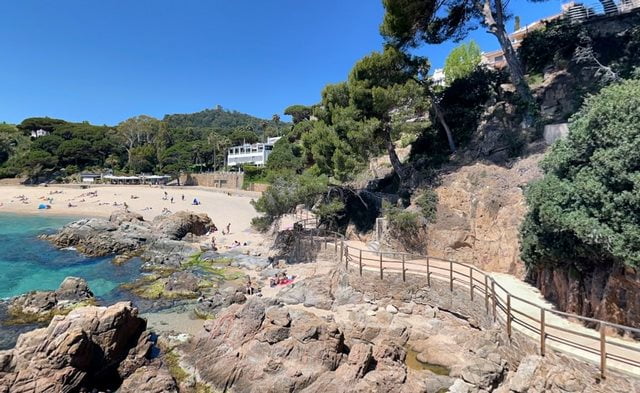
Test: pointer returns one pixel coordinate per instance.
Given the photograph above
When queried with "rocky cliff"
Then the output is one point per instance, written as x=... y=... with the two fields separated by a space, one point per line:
x=480 y=209
x=611 y=294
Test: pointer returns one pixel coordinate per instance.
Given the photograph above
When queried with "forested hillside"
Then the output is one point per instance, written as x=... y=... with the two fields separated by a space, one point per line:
x=181 y=142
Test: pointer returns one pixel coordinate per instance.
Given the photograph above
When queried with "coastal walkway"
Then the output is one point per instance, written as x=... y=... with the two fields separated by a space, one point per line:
x=514 y=304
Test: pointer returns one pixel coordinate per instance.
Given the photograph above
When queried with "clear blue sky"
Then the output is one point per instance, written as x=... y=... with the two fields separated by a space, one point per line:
x=104 y=61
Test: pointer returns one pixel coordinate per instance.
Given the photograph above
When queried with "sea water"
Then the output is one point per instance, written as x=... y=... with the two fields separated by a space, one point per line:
x=28 y=263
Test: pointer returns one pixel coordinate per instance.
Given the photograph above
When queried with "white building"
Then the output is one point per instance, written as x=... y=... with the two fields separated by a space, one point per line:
x=39 y=133
x=255 y=154
x=438 y=77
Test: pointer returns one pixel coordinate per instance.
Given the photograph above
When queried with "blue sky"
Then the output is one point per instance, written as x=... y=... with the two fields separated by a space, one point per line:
x=104 y=61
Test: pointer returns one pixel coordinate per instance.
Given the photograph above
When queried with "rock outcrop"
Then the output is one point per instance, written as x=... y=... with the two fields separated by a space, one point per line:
x=41 y=306
x=160 y=242
x=479 y=212
x=610 y=293
x=91 y=348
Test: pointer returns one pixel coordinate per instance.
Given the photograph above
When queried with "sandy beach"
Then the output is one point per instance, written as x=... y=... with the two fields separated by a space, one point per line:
x=223 y=207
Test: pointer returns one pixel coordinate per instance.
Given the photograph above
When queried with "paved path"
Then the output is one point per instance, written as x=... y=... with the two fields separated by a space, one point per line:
x=562 y=334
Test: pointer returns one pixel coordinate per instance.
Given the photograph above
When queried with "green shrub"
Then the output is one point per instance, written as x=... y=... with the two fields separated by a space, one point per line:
x=287 y=192
x=403 y=225
x=261 y=223
x=586 y=210
x=330 y=212
x=427 y=202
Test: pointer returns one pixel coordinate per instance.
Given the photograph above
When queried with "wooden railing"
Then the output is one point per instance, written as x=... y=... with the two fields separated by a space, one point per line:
x=539 y=323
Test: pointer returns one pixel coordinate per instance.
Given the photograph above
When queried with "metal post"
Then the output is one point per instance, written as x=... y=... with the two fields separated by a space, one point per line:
x=486 y=294
x=509 y=316
x=335 y=243
x=360 y=262
x=403 y=270
x=428 y=273
x=493 y=296
x=603 y=352
x=343 y=255
x=381 y=274
x=451 y=276
x=543 y=335
x=471 y=283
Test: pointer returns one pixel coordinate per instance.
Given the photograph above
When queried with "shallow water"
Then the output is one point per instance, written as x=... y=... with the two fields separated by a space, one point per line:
x=28 y=263
x=413 y=363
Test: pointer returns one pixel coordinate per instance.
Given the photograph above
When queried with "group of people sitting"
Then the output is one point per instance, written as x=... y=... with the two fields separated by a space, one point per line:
x=281 y=279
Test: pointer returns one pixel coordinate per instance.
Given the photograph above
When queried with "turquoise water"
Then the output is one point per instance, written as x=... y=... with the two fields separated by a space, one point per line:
x=28 y=263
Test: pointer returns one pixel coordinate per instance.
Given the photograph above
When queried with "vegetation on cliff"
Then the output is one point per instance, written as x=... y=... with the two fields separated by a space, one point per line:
x=586 y=209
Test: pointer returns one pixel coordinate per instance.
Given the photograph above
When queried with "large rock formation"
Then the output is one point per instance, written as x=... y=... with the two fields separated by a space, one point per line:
x=41 y=306
x=161 y=242
x=480 y=209
x=611 y=294
x=91 y=348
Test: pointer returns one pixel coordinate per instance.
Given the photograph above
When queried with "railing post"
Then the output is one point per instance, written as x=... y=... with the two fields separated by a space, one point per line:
x=509 y=316
x=603 y=352
x=486 y=294
x=543 y=335
x=493 y=297
x=360 y=262
x=381 y=274
x=335 y=243
x=428 y=274
x=343 y=255
x=471 y=283
x=404 y=278
x=451 y=276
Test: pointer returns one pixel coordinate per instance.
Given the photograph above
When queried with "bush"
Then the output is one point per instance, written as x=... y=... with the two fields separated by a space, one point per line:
x=551 y=46
x=330 y=212
x=262 y=223
x=586 y=210
x=403 y=225
x=427 y=202
x=287 y=192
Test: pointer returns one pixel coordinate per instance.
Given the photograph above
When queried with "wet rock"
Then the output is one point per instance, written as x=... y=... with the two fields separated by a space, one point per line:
x=159 y=242
x=182 y=283
x=41 y=306
x=213 y=304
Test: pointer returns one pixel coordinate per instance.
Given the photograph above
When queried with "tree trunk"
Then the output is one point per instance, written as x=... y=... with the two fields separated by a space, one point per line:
x=398 y=167
x=495 y=23
x=436 y=109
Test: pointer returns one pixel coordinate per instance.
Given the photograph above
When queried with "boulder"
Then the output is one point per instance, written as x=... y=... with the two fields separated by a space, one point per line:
x=73 y=289
x=152 y=378
x=176 y=226
x=41 y=306
x=80 y=351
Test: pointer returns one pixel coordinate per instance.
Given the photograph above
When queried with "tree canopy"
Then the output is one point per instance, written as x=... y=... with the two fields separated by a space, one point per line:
x=462 y=61
x=413 y=22
x=586 y=209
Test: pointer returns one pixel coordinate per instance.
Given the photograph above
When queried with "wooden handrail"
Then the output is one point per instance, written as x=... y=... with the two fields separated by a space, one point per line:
x=500 y=309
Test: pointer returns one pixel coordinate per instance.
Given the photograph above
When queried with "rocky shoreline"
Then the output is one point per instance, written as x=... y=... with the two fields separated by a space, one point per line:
x=328 y=331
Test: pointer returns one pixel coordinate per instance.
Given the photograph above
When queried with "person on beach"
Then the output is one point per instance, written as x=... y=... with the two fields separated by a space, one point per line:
x=228 y=228
x=182 y=197
x=171 y=199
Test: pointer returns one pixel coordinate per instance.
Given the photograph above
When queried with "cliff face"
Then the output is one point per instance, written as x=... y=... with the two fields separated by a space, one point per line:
x=611 y=294
x=480 y=209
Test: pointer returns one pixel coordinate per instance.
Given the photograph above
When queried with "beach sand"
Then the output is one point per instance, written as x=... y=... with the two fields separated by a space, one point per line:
x=218 y=204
